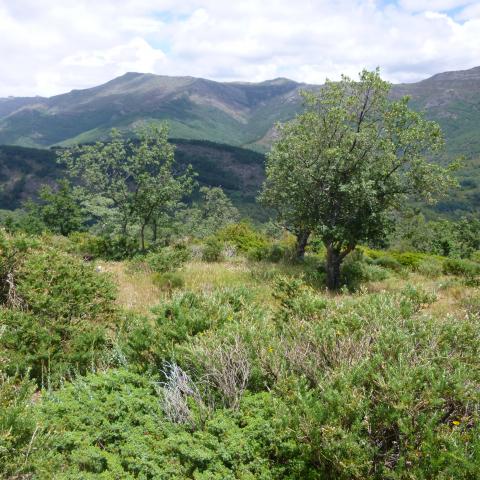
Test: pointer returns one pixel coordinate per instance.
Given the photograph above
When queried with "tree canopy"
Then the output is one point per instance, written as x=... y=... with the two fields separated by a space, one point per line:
x=352 y=157
x=133 y=182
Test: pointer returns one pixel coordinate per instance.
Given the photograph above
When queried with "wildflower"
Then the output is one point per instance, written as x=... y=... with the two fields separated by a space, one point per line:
x=456 y=422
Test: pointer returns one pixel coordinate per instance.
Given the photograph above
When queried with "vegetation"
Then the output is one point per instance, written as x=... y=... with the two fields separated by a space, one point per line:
x=241 y=367
x=146 y=331
x=343 y=166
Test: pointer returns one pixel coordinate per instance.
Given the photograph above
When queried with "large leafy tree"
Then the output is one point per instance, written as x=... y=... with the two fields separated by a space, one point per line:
x=348 y=161
x=135 y=179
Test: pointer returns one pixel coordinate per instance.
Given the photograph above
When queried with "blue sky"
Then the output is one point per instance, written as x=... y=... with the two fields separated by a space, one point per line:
x=50 y=47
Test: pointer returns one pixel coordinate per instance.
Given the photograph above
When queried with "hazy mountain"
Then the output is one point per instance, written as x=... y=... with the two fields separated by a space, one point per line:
x=233 y=113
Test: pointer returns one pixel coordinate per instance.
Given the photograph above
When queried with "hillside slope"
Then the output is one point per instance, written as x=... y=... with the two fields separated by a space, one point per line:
x=233 y=113
x=239 y=171
x=241 y=114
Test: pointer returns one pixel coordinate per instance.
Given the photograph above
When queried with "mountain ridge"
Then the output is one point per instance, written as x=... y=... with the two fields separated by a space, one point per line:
x=235 y=113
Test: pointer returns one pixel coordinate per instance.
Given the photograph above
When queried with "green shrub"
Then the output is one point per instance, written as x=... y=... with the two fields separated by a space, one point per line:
x=431 y=268
x=296 y=298
x=465 y=268
x=18 y=427
x=416 y=297
x=167 y=259
x=355 y=271
x=388 y=262
x=106 y=247
x=148 y=344
x=411 y=260
x=475 y=256
x=56 y=311
x=212 y=250
x=274 y=252
x=113 y=426
x=243 y=236
x=168 y=280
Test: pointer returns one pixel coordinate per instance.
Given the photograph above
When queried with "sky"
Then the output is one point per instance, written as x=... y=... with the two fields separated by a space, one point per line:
x=49 y=47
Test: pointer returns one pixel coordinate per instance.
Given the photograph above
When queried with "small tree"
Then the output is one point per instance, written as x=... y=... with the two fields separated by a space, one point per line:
x=135 y=178
x=59 y=210
x=344 y=165
x=214 y=211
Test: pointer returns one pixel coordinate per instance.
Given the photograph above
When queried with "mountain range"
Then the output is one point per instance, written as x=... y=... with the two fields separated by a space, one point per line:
x=231 y=113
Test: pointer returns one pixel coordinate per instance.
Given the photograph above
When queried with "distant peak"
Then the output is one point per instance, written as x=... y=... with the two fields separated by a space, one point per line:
x=470 y=74
x=278 y=81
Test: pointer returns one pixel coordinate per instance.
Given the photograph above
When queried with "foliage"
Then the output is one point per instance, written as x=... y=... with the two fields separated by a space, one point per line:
x=243 y=236
x=212 y=250
x=167 y=259
x=136 y=178
x=60 y=211
x=355 y=271
x=442 y=237
x=344 y=165
x=168 y=280
x=139 y=442
x=214 y=212
x=112 y=247
x=18 y=427
x=464 y=268
x=273 y=252
x=56 y=311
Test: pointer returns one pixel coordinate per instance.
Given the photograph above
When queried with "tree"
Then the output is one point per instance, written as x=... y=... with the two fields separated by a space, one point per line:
x=348 y=161
x=214 y=211
x=59 y=210
x=136 y=178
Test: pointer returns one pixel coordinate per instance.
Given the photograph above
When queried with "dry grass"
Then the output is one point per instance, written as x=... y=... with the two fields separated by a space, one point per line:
x=137 y=291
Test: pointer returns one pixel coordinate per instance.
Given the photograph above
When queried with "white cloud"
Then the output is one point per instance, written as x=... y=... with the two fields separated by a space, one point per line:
x=50 y=47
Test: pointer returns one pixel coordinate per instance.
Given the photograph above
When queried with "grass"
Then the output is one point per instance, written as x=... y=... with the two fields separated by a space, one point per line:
x=137 y=291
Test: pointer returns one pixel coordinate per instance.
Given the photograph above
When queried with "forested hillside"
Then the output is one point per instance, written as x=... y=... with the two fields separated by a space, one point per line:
x=239 y=171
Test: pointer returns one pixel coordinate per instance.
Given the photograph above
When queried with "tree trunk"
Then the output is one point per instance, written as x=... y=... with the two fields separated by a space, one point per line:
x=154 y=231
x=334 y=260
x=302 y=240
x=142 y=237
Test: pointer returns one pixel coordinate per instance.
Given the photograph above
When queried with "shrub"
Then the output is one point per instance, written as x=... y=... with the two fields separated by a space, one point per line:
x=410 y=260
x=274 y=252
x=148 y=344
x=114 y=426
x=18 y=427
x=355 y=270
x=212 y=250
x=296 y=298
x=431 y=268
x=465 y=268
x=243 y=236
x=106 y=247
x=418 y=296
x=168 y=280
x=56 y=314
x=388 y=262
x=167 y=259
